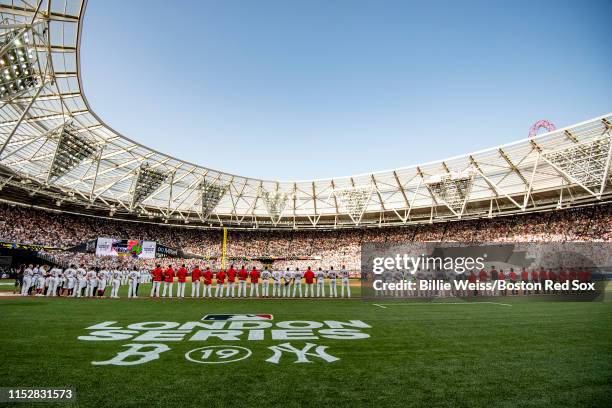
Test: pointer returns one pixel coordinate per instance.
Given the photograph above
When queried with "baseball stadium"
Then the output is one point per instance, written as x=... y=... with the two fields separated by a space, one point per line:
x=134 y=278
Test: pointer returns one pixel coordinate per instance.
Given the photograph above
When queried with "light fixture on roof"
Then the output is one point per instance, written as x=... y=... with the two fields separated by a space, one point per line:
x=72 y=149
x=19 y=73
x=211 y=194
x=354 y=200
x=147 y=181
x=452 y=189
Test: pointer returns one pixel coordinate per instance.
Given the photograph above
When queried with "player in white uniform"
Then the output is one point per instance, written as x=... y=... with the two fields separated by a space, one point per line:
x=53 y=281
x=133 y=283
x=320 y=275
x=92 y=282
x=102 y=281
x=48 y=277
x=288 y=276
x=265 y=282
x=331 y=274
x=115 y=283
x=344 y=275
x=39 y=273
x=276 y=285
x=81 y=282
x=28 y=275
x=297 y=282
x=70 y=276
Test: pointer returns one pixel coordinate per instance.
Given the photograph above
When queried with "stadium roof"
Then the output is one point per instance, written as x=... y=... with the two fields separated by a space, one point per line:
x=56 y=152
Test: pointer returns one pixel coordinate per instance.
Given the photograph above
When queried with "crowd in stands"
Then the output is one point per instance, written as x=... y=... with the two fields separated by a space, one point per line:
x=320 y=248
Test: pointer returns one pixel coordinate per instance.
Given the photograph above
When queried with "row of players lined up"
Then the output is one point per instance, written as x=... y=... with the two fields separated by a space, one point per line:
x=78 y=282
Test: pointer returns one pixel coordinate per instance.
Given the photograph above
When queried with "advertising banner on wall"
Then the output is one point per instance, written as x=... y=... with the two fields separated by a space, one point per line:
x=148 y=250
x=126 y=247
x=104 y=247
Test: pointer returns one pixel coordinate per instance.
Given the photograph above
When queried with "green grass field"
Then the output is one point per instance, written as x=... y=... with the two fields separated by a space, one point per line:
x=531 y=354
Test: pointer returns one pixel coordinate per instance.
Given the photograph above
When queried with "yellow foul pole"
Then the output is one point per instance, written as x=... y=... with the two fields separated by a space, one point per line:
x=223 y=252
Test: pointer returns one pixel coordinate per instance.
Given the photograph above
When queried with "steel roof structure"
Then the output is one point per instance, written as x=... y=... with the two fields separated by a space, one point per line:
x=56 y=152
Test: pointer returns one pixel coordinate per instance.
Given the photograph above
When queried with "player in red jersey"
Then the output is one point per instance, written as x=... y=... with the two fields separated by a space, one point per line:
x=196 y=273
x=242 y=277
x=168 y=281
x=483 y=276
x=231 y=278
x=208 y=277
x=512 y=276
x=254 y=275
x=309 y=278
x=563 y=278
x=525 y=279
x=501 y=276
x=156 y=274
x=472 y=279
x=182 y=278
x=552 y=276
x=220 y=276
x=543 y=279
x=535 y=279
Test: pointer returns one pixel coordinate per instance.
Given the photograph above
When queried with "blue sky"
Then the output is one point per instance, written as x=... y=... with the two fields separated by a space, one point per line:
x=295 y=90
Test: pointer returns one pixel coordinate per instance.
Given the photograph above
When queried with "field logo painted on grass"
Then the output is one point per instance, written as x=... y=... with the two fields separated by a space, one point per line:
x=237 y=317
x=227 y=327
x=218 y=354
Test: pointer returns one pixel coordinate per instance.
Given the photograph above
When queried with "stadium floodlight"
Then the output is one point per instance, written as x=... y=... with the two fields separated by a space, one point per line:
x=586 y=163
x=147 y=181
x=211 y=194
x=275 y=203
x=72 y=149
x=354 y=200
x=17 y=63
x=451 y=189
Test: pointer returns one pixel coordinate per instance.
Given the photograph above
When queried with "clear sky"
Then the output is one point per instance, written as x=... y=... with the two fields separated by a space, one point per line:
x=294 y=90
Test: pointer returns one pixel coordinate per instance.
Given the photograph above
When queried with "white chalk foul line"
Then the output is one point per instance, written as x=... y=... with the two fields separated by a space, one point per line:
x=381 y=306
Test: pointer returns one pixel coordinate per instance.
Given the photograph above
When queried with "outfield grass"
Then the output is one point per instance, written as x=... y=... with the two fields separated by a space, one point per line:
x=530 y=354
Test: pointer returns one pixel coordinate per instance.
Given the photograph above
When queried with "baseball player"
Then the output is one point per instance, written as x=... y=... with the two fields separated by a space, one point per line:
x=276 y=285
x=265 y=282
x=54 y=278
x=133 y=284
x=92 y=282
x=288 y=276
x=156 y=274
x=102 y=281
x=196 y=273
x=297 y=282
x=39 y=272
x=344 y=276
x=320 y=275
x=68 y=285
x=28 y=274
x=81 y=282
x=331 y=274
x=182 y=278
x=309 y=278
x=254 y=275
x=115 y=283
x=208 y=276
x=220 y=276
x=168 y=281
x=242 y=277
x=231 y=279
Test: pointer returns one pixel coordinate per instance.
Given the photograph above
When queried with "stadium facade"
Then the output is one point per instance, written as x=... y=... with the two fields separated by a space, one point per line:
x=56 y=153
